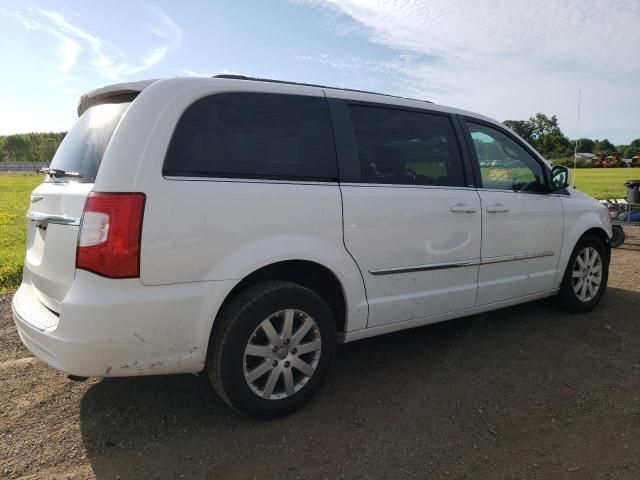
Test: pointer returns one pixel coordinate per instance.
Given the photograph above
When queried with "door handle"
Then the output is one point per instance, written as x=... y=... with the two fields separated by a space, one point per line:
x=497 y=208
x=462 y=208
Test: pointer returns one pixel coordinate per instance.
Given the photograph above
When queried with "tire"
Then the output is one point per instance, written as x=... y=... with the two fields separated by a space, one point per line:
x=618 y=237
x=242 y=346
x=572 y=294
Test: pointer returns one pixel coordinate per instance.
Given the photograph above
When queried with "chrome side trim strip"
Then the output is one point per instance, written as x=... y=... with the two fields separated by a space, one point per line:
x=49 y=218
x=467 y=263
x=511 y=258
x=422 y=268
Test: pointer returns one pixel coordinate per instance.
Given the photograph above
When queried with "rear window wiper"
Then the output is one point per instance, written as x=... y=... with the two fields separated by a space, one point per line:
x=57 y=173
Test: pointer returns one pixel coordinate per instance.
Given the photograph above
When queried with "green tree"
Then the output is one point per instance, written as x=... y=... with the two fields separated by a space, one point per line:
x=604 y=146
x=555 y=145
x=522 y=128
x=15 y=147
x=543 y=125
x=629 y=152
x=585 y=145
x=548 y=138
x=544 y=134
x=29 y=147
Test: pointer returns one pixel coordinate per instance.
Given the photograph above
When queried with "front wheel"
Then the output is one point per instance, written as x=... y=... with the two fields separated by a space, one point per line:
x=585 y=279
x=271 y=349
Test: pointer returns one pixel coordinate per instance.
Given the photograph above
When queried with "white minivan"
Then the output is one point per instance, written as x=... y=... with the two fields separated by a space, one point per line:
x=242 y=227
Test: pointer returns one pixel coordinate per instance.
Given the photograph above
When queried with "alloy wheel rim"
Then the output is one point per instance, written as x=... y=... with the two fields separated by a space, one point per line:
x=587 y=274
x=282 y=354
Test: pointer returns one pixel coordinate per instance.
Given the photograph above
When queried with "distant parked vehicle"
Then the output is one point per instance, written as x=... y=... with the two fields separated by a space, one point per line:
x=612 y=161
x=608 y=161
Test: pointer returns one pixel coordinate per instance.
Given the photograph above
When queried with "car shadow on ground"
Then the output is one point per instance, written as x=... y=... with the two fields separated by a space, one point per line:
x=521 y=391
x=632 y=241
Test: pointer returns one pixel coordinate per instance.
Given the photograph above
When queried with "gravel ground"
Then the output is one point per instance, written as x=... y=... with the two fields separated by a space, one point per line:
x=522 y=393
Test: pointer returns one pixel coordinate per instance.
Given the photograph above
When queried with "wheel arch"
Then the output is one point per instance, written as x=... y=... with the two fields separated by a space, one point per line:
x=601 y=234
x=309 y=274
x=597 y=231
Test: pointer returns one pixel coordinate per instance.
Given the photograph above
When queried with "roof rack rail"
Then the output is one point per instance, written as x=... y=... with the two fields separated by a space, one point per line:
x=230 y=76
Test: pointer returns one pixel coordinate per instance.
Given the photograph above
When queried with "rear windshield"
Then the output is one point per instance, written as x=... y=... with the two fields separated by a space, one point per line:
x=82 y=149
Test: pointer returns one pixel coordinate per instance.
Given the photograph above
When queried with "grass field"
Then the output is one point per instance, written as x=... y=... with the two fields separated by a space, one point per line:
x=14 y=201
x=604 y=183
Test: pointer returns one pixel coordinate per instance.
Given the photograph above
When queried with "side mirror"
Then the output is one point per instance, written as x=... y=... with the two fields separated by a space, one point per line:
x=559 y=178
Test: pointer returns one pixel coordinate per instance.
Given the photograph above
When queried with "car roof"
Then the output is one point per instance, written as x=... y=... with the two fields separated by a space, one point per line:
x=361 y=95
x=128 y=91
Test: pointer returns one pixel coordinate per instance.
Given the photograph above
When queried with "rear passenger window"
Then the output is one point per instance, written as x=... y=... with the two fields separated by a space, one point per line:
x=254 y=135
x=406 y=147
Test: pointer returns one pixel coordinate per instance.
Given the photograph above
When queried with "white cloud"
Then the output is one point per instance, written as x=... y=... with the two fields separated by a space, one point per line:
x=108 y=60
x=511 y=59
x=101 y=59
x=171 y=31
x=69 y=50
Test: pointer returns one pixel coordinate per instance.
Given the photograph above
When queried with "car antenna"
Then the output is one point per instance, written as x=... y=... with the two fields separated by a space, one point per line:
x=575 y=151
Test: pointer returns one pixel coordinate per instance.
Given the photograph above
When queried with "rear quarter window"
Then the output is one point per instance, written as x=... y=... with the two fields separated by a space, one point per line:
x=254 y=135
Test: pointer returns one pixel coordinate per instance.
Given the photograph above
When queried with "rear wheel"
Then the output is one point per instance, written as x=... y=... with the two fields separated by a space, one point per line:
x=585 y=279
x=271 y=349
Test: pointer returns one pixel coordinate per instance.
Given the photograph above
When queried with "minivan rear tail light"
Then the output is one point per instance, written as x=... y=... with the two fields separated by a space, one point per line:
x=110 y=231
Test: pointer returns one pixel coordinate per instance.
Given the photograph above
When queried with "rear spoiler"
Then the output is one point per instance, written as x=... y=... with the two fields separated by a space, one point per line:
x=117 y=93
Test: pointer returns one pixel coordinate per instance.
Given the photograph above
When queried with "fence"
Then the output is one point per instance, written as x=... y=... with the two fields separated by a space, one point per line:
x=22 y=166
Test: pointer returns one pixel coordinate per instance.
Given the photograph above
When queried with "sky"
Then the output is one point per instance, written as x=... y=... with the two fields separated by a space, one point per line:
x=507 y=59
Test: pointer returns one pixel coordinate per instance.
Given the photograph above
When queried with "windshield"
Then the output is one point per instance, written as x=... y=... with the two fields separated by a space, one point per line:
x=82 y=149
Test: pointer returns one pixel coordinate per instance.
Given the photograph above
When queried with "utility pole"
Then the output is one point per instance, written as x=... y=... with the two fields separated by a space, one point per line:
x=575 y=151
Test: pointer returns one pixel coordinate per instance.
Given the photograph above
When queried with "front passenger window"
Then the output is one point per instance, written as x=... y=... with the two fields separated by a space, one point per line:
x=504 y=164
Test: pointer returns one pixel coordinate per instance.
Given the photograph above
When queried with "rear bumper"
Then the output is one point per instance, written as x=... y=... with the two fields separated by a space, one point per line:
x=112 y=327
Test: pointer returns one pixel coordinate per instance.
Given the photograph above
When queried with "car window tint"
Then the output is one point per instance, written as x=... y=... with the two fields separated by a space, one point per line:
x=406 y=147
x=254 y=135
x=504 y=164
